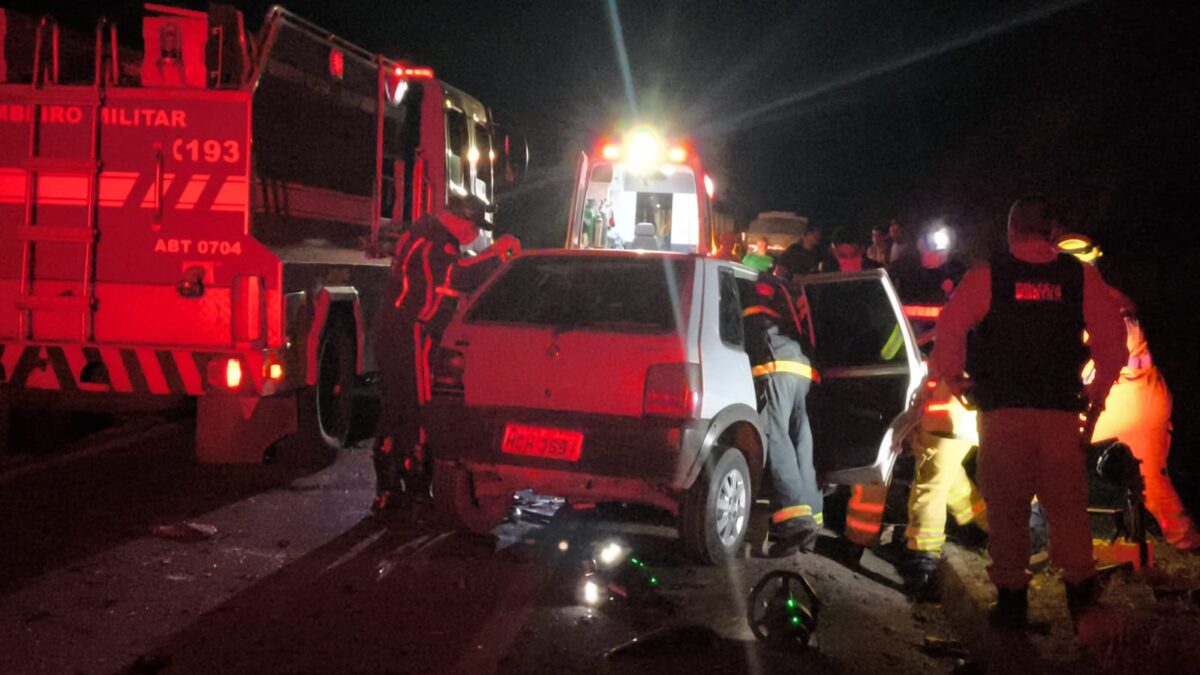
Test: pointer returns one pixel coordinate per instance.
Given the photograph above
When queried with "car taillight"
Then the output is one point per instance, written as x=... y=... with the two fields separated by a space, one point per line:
x=672 y=390
x=447 y=373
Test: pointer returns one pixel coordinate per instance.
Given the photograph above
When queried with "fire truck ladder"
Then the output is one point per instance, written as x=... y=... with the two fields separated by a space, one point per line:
x=46 y=92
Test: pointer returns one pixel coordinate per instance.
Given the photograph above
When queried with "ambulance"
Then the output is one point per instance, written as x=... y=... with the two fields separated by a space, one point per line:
x=643 y=190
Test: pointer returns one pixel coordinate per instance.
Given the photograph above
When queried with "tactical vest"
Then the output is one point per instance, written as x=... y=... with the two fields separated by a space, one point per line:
x=1028 y=351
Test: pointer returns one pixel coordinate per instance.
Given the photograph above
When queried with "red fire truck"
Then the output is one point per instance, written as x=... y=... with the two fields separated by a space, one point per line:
x=190 y=219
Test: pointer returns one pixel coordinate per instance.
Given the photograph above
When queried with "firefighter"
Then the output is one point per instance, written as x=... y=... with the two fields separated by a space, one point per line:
x=940 y=485
x=945 y=437
x=1138 y=414
x=782 y=378
x=428 y=273
x=1027 y=309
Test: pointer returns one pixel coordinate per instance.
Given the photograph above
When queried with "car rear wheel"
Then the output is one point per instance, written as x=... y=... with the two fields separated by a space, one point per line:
x=716 y=511
x=454 y=497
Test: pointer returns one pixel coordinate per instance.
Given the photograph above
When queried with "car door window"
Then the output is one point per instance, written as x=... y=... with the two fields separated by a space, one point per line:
x=855 y=324
x=730 y=310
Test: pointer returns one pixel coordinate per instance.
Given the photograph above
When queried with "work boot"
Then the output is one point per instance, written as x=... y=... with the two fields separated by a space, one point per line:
x=792 y=536
x=1011 y=609
x=919 y=569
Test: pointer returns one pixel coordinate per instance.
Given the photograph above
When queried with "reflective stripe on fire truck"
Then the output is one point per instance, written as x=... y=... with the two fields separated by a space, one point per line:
x=130 y=189
x=125 y=370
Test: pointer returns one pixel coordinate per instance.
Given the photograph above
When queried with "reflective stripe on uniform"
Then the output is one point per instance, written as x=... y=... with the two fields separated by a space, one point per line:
x=864 y=513
x=925 y=539
x=760 y=309
x=965 y=504
x=793 y=367
x=799 y=511
x=892 y=347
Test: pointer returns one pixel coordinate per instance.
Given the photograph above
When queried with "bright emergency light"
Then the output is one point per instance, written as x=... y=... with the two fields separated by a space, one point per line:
x=710 y=188
x=337 y=64
x=644 y=149
x=414 y=72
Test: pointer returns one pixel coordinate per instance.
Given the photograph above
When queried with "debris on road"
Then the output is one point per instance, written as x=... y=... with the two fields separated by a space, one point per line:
x=942 y=647
x=659 y=643
x=185 y=531
x=533 y=508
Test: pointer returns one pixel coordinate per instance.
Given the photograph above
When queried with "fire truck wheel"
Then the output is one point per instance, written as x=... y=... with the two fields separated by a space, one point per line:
x=715 y=512
x=325 y=410
x=454 y=497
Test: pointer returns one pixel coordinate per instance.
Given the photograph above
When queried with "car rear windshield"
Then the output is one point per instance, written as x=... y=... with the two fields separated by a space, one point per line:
x=603 y=293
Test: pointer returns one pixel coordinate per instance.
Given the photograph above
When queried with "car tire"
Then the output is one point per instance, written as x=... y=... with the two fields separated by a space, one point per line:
x=454 y=497
x=324 y=411
x=715 y=513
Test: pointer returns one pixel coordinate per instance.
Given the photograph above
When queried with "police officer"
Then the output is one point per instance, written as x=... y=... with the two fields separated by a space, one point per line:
x=428 y=273
x=1028 y=308
x=782 y=377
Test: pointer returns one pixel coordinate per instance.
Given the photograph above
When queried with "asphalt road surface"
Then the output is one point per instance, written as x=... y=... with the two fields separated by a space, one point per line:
x=120 y=554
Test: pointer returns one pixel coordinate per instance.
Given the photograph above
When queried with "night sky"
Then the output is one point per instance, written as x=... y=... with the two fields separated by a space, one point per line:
x=855 y=112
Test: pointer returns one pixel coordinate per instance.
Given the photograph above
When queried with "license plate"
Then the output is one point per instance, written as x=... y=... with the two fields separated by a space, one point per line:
x=520 y=439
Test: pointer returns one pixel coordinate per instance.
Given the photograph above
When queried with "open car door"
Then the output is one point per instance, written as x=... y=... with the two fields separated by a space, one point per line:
x=869 y=365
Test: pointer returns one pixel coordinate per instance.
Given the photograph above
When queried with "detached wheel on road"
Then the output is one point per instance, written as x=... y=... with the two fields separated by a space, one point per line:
x=454 y=496
x=715 y=513
x=325 y=410
x=335 y=381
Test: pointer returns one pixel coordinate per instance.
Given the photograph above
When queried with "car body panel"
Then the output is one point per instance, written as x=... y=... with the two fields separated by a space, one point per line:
x=591 y=379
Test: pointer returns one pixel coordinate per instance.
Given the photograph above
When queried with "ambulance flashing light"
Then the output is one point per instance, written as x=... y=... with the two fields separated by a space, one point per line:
x=644 y=148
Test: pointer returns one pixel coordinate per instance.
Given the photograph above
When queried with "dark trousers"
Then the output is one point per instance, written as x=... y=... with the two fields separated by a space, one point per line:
x=398 y=343
x=790 y=452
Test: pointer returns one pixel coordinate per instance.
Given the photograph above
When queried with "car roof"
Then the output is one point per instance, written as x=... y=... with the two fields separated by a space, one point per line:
x=622 y=254
x=607 y=253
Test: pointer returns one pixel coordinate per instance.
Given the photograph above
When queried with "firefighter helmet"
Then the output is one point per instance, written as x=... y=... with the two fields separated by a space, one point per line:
x=1081 y=246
